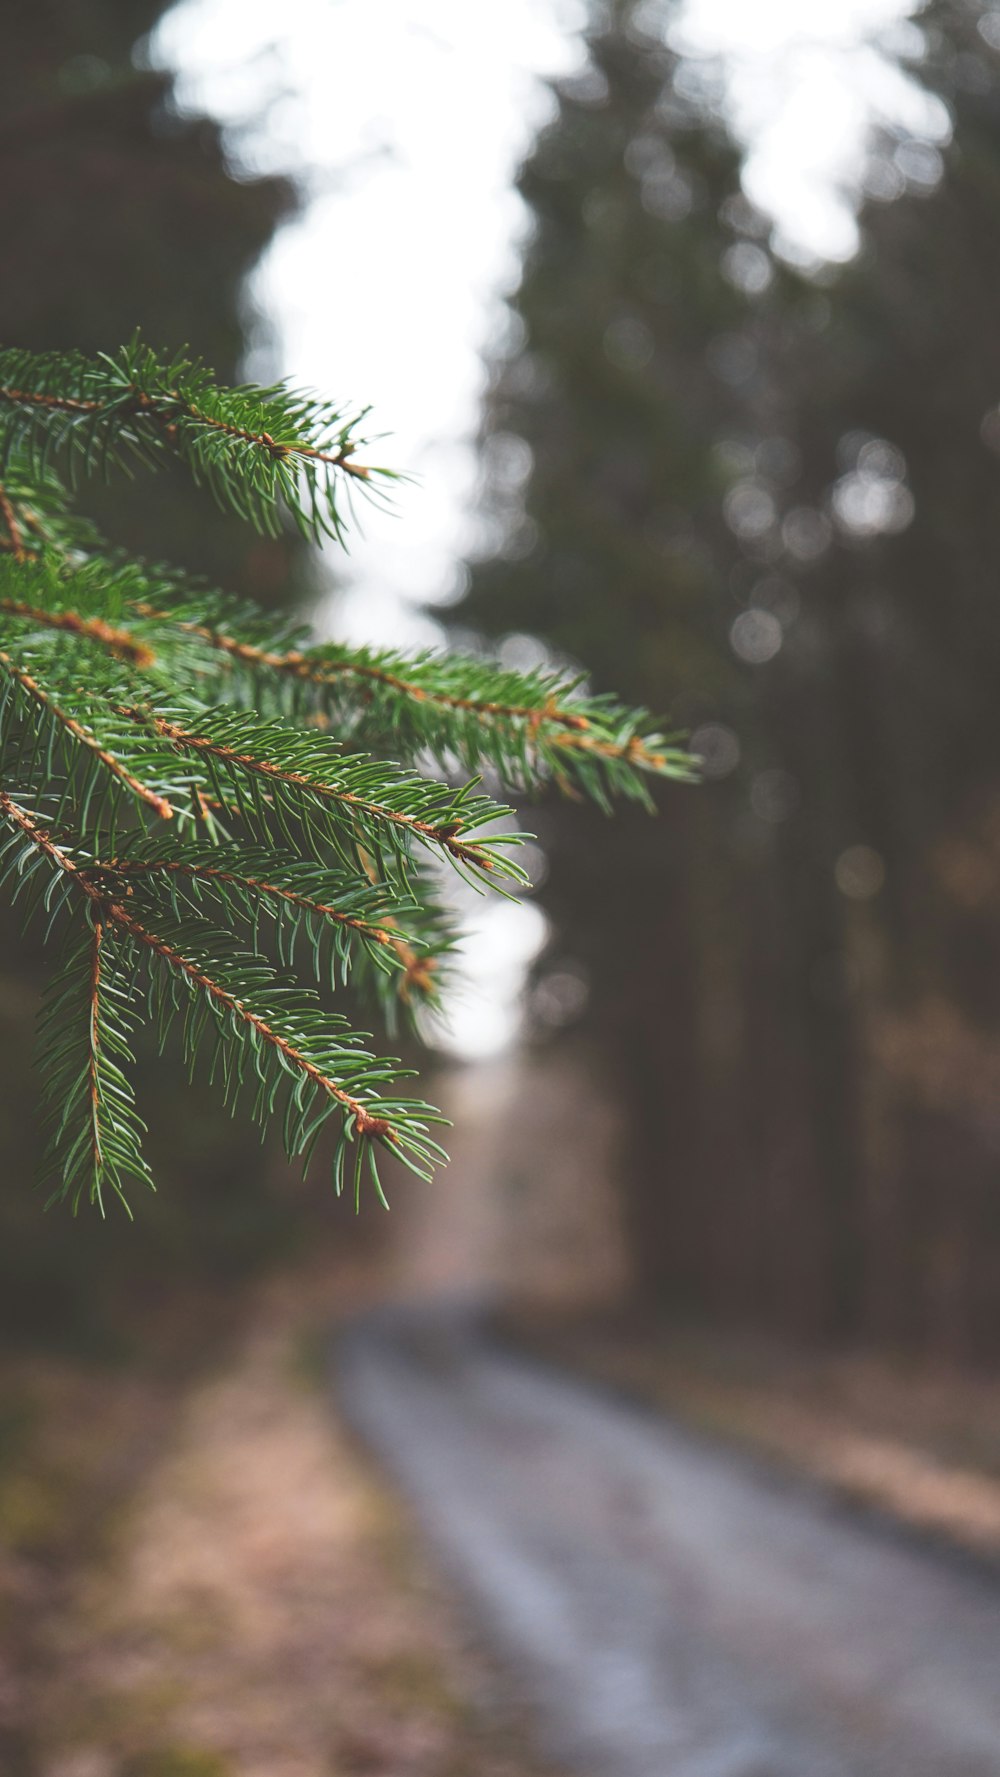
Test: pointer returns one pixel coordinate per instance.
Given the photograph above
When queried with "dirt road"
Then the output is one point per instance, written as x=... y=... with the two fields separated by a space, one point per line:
x=671 y=1610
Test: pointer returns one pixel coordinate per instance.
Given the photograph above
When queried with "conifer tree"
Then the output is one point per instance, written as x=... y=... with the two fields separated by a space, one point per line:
x=217 y=820
x=633 y=382
x=792 y=491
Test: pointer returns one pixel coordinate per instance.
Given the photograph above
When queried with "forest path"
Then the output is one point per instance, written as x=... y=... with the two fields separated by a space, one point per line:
x=672 y=1610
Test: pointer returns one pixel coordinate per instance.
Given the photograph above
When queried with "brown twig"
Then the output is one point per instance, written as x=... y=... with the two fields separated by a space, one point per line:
x=337 y=460
x=634 y=750
x=15 y=538
x=118 y=641
x=60 y=403
x=43 y=841
x=418 y=968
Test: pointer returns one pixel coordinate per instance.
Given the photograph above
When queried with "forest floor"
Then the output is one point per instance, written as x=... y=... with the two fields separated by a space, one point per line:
x=201 y=1575
x=920 y=1445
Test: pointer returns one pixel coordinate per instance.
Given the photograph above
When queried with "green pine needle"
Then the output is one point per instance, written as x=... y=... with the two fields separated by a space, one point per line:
x=222 y=822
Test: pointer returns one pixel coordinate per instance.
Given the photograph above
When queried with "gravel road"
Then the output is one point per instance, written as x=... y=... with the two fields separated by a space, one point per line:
x=669 y=1609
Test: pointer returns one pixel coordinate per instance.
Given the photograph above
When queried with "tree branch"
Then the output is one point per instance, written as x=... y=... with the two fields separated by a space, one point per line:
x=210 y=873
x=443 y=835
x=14 y=540
x=168 y=409
x=365 y=1122
x=118 y=641
x=85 y=739
x=298 y=665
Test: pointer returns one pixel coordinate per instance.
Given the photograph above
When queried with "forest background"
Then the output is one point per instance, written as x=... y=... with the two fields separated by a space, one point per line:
x=762 y=497
x=759 y=1063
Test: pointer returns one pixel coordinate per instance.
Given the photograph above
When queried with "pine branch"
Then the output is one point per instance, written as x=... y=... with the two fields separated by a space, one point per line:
x=36 y=513
x=278 y=1039
x=93 y=629
x=265 y=1033
x=309 y=777
x=256 y=449
x=301 y=771
x=95 y=597
x=57 y=724
x=339 y=918
x=285 y=839
x=95 y=1133
x=530 y=727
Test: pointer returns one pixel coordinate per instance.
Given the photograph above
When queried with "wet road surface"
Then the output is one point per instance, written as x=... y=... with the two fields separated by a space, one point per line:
x=669 y=1609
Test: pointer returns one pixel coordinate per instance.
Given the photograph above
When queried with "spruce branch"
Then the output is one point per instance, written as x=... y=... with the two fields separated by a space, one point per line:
x=256 y=449
x=87 y=1022
x=36 y=513
x=338 y=919
x=529 y=727
x=226 y=819
x=94 y=629
x=60 y=723
x=370 y=801
x=265 y=1033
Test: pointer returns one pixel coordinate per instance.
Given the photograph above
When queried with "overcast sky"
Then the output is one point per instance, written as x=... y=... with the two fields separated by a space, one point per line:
x=409 y=118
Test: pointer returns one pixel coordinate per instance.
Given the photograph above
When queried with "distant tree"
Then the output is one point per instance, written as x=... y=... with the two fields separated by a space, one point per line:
x=122 y=211
x=637 y=388
x=894 y=405
x=766 y=505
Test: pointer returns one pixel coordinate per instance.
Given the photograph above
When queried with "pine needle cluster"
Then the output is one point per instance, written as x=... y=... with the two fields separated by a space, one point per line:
x=218 y=819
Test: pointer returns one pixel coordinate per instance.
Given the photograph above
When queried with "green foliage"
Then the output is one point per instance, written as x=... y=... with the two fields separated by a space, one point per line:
x=199 y=800
x=258 y=450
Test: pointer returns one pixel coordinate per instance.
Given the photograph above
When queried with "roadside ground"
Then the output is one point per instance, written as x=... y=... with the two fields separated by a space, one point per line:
x=919 y=1445
x=201 y=1576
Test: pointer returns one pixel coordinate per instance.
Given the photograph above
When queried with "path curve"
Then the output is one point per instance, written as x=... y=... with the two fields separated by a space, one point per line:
x=672 y=1610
